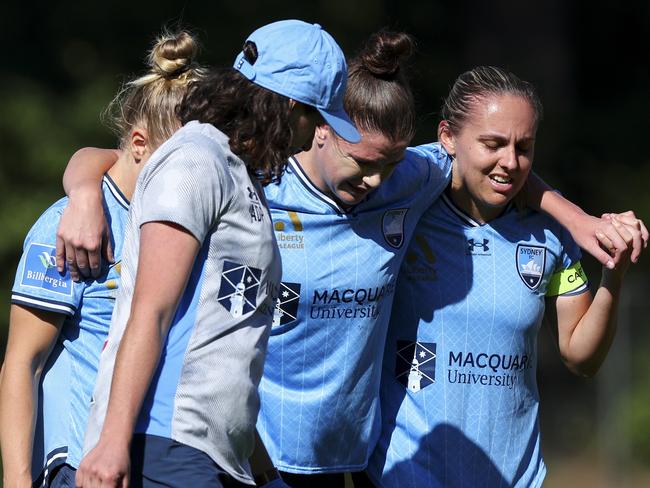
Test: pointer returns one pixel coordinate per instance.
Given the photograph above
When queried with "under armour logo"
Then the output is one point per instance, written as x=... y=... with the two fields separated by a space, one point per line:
x=471 y=245
x=252 y=194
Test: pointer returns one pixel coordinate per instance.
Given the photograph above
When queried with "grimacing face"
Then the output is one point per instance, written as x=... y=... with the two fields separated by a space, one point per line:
x=494 y=151
x=349 y=172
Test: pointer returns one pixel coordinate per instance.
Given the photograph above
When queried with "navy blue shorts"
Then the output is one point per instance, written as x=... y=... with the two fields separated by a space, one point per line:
x=63 y=477
x=161 y=462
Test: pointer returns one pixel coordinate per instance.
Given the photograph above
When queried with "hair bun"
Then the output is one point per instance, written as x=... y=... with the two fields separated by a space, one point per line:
x=385 y=52
x=173 y=54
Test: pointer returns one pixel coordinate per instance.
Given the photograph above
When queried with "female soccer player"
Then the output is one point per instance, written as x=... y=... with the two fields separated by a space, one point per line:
x=176 y=401
x=459 y=400
x=58 y=326
x=343 y=215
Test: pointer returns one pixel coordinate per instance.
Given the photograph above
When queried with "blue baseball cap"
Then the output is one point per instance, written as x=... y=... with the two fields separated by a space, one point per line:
x=302 y=62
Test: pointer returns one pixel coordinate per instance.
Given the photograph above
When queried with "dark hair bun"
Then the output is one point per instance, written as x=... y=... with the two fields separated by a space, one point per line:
x=385 y=52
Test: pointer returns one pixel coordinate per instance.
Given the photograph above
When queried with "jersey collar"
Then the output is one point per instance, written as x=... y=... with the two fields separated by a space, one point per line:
x=115 y=191
x=466 y=218
x=311 y=188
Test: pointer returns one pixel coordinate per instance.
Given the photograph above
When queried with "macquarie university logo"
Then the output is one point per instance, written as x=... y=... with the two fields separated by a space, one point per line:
x=392 y=225
x=286 y=307
x=239 y=286
x=415 y=365
x=531 y=261
x=40 y=270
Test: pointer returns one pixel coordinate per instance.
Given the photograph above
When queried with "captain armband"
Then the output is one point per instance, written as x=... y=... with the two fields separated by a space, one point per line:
x=571 y=280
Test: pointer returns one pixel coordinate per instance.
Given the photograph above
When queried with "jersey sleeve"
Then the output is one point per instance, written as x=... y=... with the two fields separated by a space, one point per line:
x=187 y=189
x=38 y=283
x=438 y=162
x=568 y=276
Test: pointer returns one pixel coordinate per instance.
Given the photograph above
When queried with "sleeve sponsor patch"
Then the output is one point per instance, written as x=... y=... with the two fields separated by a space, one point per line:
x=40 y=270
x=567 y=280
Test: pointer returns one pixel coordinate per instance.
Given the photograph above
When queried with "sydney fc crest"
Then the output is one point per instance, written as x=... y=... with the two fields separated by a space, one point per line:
x=393 y=226
x=531 y=261
x=286 y=307
x=239 y=286
x=415 y=365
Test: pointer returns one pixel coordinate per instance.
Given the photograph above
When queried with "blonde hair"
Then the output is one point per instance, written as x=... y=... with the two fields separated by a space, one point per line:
x=150 y=101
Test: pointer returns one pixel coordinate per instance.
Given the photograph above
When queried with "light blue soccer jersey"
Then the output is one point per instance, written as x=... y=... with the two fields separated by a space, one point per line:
x=459 y=398
x=321 y=378
x=69 y=375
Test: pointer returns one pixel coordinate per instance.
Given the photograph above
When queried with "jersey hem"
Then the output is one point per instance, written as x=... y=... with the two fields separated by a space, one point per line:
x=319 y=469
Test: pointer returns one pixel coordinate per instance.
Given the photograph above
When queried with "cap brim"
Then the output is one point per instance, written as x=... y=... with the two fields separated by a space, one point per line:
x=342 y=125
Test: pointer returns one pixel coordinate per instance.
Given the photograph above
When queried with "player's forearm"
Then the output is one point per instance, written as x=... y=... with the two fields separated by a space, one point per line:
x=540 y=196
x=17 y=400
x=135 y=363
x=85 y=169
x=593 y=336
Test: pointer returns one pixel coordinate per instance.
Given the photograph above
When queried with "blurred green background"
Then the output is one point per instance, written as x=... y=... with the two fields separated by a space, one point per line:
x=63 y=62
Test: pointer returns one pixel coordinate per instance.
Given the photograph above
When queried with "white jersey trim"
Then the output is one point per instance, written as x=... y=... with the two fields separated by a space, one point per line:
x=463 y=216
x=304 y=179
x=115 y=191
x=42 y=303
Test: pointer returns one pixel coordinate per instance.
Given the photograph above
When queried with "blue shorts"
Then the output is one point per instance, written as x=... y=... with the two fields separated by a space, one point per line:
x=161 y=462
x=63 y=477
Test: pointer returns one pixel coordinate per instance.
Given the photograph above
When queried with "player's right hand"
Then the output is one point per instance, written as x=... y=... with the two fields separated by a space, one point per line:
x=83 y=236
x=105 y=466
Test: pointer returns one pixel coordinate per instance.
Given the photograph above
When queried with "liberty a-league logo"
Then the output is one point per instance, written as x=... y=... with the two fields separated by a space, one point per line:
x=392 y=224
x=40 y=270
x=286 y=308
x=415 y=366
x=239 y=286
x=531 y=261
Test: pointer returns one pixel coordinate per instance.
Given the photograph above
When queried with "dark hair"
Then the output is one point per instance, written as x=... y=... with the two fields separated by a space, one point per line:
x=256 y=120
x=480 y=82
x=378 y=96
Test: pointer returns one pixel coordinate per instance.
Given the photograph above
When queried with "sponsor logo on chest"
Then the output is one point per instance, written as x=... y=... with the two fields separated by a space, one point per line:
x=239 y=287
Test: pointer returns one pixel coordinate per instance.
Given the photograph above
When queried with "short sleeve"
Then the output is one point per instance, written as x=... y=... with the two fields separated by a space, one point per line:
x=439 y=162
x=187 y=187
x=38 y=283
x=568 y=276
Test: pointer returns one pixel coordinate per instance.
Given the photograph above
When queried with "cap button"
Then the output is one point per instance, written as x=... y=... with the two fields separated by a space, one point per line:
x=317 y=26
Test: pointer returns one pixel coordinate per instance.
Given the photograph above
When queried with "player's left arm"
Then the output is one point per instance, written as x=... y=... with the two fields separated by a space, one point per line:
x=584 y=326
x=597 y=236
x=158 y=290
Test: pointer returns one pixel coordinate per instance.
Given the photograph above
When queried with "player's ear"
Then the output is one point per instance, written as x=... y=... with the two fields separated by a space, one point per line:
x=139 y=143
x=446 y=137
x=322 y=134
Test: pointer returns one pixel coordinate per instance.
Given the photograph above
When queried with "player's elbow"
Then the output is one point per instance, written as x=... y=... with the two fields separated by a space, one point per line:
x=584 y=369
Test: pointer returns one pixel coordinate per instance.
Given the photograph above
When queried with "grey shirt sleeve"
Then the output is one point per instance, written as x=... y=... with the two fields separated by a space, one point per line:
x=188 y=188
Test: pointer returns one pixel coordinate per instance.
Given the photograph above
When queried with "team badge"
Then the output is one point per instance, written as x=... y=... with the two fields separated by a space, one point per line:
x=40 y=270
x=286 y=307
x=415 y=366
x=239 y=286
x=392 y=225
x=531 y=261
